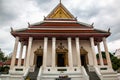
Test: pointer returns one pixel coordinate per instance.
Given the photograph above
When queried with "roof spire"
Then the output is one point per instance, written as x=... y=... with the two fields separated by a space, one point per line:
x=60 y=12
x=60 y=1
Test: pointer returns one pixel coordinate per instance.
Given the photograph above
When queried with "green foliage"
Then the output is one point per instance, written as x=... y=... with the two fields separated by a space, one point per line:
x=4 y=59
x=115 y=61
x=1 y=56
x=103 y=55
x=4 y=69
x=1 y=69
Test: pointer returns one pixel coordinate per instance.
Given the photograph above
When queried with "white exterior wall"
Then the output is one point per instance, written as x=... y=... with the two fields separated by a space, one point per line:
x=86 y=45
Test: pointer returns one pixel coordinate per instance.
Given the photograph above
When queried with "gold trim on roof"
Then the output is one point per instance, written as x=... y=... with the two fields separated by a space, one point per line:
x=60 y=12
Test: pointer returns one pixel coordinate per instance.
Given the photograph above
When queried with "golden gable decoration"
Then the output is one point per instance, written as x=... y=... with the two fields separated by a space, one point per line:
x=60 y=12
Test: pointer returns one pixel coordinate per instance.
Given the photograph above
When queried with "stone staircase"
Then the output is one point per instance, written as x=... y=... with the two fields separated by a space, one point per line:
x=110 y=76
x=92 y=74
x=33 y=75
x=53 y=76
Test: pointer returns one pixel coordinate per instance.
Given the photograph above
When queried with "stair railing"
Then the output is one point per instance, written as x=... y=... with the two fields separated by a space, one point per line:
x=98 y=72
x=85 y=73
x=40 y=73
x=26 y=73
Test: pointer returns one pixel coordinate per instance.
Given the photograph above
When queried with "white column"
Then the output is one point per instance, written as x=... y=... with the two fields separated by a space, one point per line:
x=53 y=51
x=25 y=56
x=29 y=51
x=70 y=52
x=14 y=53
x=78 y=51
x=100 y=54
x=107 y=53
x=93 y=50
x=20 y=54
x=45 y=52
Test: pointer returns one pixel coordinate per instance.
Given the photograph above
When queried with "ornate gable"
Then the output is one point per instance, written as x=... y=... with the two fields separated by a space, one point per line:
x=60 y=12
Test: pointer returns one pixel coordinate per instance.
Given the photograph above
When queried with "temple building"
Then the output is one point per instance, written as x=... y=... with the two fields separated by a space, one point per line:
x=117 y=53
x=60 y=48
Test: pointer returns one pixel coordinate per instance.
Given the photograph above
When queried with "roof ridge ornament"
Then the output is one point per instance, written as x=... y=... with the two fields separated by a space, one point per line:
x=92 y=25
x=28 y=24
x=60 y=1
x=109 y=30
x=11 y=29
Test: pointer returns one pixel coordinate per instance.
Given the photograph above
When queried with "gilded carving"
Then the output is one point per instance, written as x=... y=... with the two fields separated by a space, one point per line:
x=61 y=49
x=83 y=51
x=39 y=51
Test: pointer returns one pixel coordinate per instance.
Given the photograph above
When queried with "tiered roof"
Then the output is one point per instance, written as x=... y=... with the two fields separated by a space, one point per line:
x=60 y=23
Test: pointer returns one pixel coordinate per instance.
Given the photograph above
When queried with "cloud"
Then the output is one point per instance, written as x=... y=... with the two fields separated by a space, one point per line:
x=6 y=13
x=16 y=13
x=6 y=41
x=105 y=14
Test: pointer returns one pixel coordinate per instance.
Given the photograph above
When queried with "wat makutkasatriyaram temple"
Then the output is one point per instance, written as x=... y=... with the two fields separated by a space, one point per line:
x=60 y=48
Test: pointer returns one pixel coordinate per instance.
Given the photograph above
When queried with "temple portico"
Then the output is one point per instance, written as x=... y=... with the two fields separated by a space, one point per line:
x=70 y=46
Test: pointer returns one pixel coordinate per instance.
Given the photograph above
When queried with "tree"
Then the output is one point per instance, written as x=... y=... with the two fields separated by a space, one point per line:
x=115 y=61
x=1 y=56
x=3 y=69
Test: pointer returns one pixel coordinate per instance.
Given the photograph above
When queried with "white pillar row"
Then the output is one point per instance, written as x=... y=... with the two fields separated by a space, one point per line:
x=78 y=51
x=25 y=55
x=20 y=54
x=100 y=54
x=29 y=51
x=53 y=51
x=93 y=50
x=106 y=52
x=14 y=53
x=70 y=52
x=45 y=52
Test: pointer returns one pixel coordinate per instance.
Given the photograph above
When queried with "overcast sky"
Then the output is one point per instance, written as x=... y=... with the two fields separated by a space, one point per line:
x=17 y=13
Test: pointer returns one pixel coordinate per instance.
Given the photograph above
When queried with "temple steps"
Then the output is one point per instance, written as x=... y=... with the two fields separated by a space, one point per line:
x=53 y=76
x=110 y=76
x=92 y=75
x=33 y=75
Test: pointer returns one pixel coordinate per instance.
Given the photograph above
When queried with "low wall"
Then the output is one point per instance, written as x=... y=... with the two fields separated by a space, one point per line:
x=118 y=75
x=10 y=77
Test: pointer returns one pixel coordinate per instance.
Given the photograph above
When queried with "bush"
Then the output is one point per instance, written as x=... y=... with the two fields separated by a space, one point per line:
x=4 y=69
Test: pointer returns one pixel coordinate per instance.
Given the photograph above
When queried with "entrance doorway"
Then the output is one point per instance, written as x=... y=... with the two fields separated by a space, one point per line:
x=61 y=56
x=84 y=60
x=39 y=61
x=84 y=57
x=61 y=60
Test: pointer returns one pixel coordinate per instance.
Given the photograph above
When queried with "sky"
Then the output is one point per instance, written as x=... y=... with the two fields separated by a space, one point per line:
x=17 y=13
